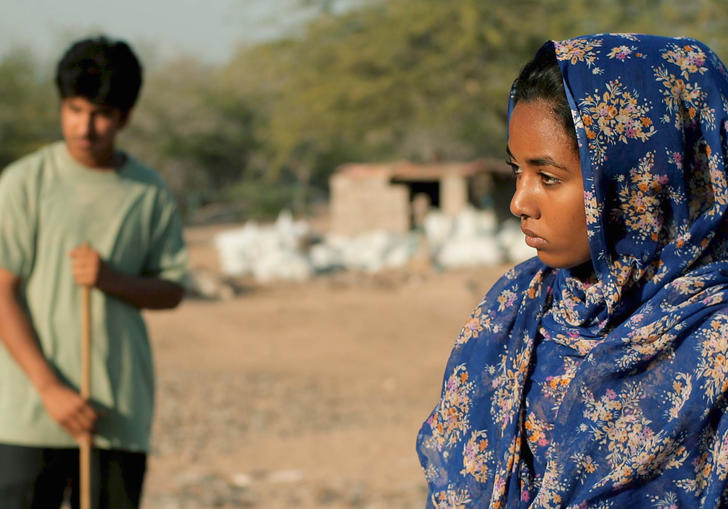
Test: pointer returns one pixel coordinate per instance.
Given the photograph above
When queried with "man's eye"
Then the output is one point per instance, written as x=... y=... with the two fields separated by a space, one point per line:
x=514 y=168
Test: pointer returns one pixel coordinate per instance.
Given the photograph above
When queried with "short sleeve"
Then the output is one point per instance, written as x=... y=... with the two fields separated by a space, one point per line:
x=167 y=258
x=18 y=224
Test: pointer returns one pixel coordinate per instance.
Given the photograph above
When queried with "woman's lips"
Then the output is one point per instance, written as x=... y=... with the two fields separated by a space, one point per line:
x=533 y=240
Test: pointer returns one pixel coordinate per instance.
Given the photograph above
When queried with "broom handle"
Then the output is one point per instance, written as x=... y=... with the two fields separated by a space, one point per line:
x=85 y=450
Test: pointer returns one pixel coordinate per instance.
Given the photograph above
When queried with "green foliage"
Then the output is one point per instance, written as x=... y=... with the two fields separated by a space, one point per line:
x=262 y=199
x=383 y=80
x=28 y=109
x=198 y=134
x=423 y=79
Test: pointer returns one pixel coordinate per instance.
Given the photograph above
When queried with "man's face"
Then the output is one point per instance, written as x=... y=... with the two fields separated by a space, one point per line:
x=90 y=130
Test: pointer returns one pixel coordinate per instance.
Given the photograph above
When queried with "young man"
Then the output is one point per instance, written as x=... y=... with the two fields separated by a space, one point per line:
x=81 y=213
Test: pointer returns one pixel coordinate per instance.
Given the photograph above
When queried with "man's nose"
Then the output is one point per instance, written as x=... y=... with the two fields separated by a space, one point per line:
x=91 y=125
x=86 y=125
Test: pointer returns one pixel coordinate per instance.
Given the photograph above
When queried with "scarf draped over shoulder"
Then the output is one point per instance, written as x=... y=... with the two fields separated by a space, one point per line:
x=642 y=421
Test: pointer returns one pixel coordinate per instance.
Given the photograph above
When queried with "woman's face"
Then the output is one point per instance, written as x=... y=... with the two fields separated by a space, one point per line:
x=549 y=197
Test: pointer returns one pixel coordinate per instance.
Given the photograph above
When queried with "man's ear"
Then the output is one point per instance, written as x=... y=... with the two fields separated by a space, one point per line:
x=124 y=118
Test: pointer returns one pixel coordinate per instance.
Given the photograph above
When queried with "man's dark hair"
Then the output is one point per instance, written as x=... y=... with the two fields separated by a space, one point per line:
x=101 y=71
x=541 y=79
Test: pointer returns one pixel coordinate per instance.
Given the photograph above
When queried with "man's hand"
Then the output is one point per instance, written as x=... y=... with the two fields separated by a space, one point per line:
x=142 y=292
x=64 y=405
x=69 y=409
x=87 y=267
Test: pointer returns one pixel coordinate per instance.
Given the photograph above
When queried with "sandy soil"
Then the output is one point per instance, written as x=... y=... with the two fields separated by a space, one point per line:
x=302 y=395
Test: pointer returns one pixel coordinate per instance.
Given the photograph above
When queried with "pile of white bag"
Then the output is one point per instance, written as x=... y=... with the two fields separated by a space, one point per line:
x=369 y=253
x=288 y=250
x=268 y=253
x=468 y=240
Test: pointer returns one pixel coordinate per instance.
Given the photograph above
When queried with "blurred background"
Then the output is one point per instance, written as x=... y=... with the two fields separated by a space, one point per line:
x=256 y=102
x=314 y=342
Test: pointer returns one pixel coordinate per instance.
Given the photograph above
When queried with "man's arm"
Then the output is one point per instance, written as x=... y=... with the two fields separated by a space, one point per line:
x=141 y=292
x=62 y=403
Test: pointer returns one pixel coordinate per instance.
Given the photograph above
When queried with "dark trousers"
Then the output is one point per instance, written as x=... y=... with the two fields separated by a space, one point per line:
x=39 y=477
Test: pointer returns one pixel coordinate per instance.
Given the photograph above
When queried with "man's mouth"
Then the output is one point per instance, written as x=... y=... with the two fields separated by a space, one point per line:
x=84 y=142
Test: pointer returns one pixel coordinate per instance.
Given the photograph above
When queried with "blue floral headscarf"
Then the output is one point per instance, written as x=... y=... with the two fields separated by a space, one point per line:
x=635 y=399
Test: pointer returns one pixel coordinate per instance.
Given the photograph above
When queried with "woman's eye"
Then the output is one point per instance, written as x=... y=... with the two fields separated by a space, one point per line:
x=549 y=180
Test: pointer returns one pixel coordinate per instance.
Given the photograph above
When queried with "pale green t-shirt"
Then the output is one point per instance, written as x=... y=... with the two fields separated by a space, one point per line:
x=49 y=204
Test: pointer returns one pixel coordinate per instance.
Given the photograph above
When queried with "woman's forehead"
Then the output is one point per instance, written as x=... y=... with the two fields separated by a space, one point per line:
x=533 y=127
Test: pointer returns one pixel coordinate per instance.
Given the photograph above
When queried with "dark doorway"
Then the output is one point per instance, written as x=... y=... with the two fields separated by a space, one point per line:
x=431 y=188
x=423 y=195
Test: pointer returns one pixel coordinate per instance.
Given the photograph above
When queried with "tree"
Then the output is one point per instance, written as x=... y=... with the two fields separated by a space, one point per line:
x=29 y=107
x=198 y=134
x=420 y=80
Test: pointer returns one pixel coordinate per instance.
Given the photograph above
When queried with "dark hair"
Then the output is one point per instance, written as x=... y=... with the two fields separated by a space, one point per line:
x=541 y=79
x=102 y=71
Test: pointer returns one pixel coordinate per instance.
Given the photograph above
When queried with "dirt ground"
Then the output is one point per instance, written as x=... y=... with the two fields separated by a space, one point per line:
x=305 y=396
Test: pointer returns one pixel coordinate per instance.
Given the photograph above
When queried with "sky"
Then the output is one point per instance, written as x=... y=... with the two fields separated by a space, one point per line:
x=207 y=29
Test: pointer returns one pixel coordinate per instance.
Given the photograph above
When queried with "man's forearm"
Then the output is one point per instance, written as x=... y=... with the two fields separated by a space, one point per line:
x=140 y=292
x=18 y=337
x=63 y=404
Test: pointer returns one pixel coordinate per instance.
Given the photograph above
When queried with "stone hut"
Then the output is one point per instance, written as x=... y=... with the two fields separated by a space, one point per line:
x=394 y=197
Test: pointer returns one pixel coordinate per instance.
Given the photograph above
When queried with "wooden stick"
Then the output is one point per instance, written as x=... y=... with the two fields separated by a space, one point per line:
x=85 y=448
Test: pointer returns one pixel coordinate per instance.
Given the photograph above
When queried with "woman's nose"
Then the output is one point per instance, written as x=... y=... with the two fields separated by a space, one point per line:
x=523 y=203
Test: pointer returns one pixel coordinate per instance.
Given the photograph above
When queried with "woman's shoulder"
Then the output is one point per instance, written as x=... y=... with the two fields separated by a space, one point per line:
x=496 y=312
x=517 y=280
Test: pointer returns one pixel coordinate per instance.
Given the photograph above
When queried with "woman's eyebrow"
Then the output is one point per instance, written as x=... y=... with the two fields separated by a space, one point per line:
x=538 y=161
x=545 y=161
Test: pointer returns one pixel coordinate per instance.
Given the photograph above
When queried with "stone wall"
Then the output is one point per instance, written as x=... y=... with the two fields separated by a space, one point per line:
x=360 y=205
x=453 y=194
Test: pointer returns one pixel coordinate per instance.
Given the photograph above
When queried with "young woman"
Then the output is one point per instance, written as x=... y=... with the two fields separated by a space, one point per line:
x=596 y=375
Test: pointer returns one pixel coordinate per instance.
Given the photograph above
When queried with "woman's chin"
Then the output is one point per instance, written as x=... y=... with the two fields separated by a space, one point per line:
x=565 y=261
